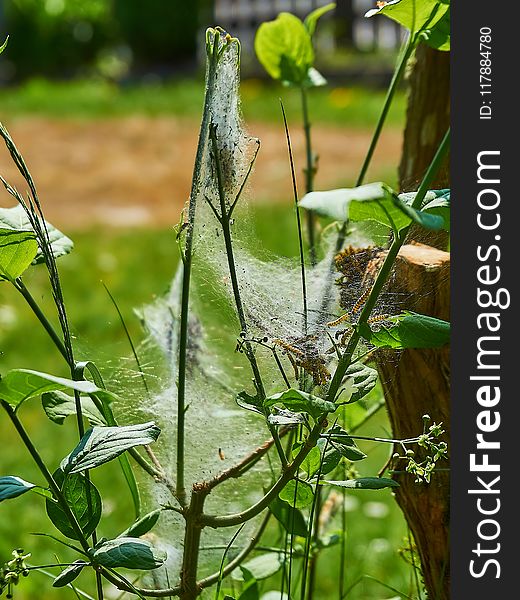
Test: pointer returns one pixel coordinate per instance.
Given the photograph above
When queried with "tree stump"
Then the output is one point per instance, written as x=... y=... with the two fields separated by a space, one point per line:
x=416 y=385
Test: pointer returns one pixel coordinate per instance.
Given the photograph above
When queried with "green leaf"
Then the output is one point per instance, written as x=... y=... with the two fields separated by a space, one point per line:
x=260 y=567
x=298 y=494
x=129 y=553
x=284 y=48
x=19 y=385
x=415 y=15
x=360 y=379
x=4 y=45
x=102 y=444
x=58 y=406
x=311 y=20
x=372 y=201
x=250 y=589
x=435 y=208
x=17 y=251
x=298 y=401
x=16 y=218
x=285 y=417
x=143 y=525
x=409 y=330
x=364 y=483
x=84 y=501
x=253 y=403
x=331 y=458
x=311 y=462
x=439 y=37
x=344 y=444
x=291 y=518
x=69 y=574
x=12 y=486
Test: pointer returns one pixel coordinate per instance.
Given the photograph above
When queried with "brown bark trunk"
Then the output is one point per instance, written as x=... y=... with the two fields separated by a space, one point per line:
x=417 y=385
x=427 y=120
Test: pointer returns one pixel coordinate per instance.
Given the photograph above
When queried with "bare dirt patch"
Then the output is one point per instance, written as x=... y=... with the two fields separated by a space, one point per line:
x=136 y=171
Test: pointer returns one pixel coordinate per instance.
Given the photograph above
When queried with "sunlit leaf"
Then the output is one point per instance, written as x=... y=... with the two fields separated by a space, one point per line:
x=408 y=330
x=298 y=494
x=284 y=48
x=16 y=218
x=414 y=15
x=143 y=525
x=58 y=406
x=17 y=251
x=260 y=567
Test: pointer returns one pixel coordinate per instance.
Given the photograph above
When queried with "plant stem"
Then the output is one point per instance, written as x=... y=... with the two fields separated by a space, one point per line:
x=299 y=225
x=310 y=172
x=263 y=503
x=19 y=285
x=225 y=222
x=186 y=271
x=46 y=474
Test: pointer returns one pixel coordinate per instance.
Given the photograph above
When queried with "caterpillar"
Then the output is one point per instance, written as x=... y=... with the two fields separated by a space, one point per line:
x=360 y=301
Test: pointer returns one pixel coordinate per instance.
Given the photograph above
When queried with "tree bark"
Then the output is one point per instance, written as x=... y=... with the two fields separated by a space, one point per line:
x=416 y=385
x=427 y=120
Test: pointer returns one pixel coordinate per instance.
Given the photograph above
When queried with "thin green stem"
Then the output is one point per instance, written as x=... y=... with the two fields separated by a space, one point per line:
x=186 y=271
x=20 y=286
x=225 y=222
x=310 y=172
x=298 y=222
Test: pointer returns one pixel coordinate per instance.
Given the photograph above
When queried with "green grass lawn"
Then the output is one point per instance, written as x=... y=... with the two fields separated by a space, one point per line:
x=137 y=266
x=88 y=98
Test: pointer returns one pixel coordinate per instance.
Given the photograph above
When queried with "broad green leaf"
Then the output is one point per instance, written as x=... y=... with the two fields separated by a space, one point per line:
x=311 y=462
x=284 y=48
x=291 y=518
x=360 y=380
x=143 y=525
x=69 y=574
x=415 y=15
x=311 y=20
x=16 y=218
x=298 y=401
x=285 y=417
x=364 y=483
x=84 y=501
x=372 y=201
x=439 y=37
x=250 y=590
x=331 y=458
x=12 y=487
x=129 y=553
x=17 y=251
x=253 y=403
x=409 y=330
x=105 y=398
x=58 y=406
x=377 y=202
x=298 y=494
x=344 y=444
x=435 y=203
x=102 y=444
x=19 y=385
x=260 y=567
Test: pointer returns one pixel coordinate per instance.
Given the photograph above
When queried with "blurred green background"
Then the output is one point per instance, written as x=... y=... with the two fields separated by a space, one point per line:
x=75 y=69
